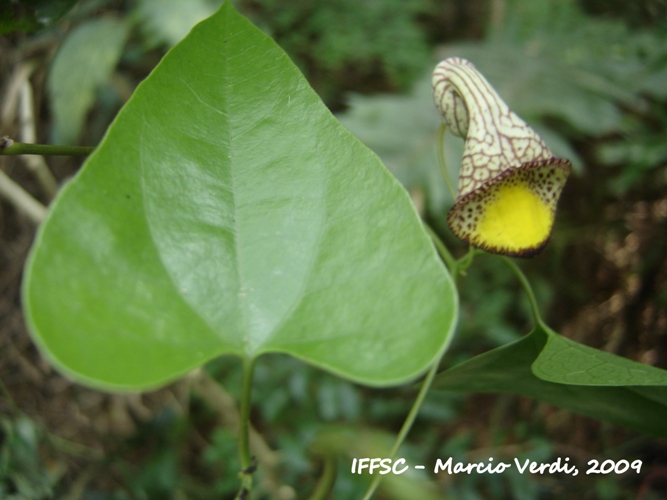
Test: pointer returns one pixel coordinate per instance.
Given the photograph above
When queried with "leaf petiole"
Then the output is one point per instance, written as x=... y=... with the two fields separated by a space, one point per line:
x=407 y=425
x=529 y=292
x=247 y=468
x=450 y=261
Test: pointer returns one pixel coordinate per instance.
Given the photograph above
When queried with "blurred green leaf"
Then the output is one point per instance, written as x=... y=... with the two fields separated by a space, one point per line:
x=228 y=212
x=522 y=366
x=169 y=21
x=84 y=62
x=639 y=153
x=600 y=56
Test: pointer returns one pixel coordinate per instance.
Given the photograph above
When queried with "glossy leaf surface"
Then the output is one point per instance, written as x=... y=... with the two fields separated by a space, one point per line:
x=228 y=212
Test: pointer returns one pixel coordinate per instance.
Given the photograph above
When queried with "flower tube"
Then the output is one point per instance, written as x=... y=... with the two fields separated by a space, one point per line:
x=510 y=181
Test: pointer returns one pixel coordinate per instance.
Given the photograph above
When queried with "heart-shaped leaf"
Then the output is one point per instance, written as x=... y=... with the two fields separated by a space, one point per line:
x=228 y=212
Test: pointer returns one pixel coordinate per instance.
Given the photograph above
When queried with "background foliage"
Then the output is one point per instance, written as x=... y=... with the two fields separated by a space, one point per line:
x=590 y=76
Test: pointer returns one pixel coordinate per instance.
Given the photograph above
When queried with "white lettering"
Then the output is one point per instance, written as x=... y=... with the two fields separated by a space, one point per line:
x=440 y=466
x=518 y=465
x=400 y=461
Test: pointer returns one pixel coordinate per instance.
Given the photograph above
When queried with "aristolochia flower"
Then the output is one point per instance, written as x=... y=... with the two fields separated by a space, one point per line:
x=510 y=181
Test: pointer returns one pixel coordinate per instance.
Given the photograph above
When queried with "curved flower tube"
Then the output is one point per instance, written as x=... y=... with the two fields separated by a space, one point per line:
x=510 y=181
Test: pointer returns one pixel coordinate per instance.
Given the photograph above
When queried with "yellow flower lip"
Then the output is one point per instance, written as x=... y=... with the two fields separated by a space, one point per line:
x=510 y=181
x=513 y=213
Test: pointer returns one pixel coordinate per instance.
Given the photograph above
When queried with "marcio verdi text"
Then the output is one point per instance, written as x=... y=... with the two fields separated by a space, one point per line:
x=448 y=466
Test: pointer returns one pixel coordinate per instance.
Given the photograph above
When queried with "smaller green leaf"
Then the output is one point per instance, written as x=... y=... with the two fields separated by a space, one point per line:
x=507 y=369
x=96 y=46
x=567 y=362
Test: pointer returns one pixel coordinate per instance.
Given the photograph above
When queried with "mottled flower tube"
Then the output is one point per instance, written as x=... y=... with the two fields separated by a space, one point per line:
x=510 y=181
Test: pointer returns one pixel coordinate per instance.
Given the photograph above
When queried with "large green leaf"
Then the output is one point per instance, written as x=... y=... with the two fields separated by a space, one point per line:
x=228 y=212
x=610 y=388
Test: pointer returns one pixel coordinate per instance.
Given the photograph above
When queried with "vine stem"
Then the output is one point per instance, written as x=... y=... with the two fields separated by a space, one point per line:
x=22 y=148
x=453 y=266
x=244 y=428
x=441 y=160
x=452 y=263
x=407 y=425
x=326 y=482
x=528 y=289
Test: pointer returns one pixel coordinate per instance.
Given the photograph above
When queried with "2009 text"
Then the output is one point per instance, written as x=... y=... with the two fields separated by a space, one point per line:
x=609 y=466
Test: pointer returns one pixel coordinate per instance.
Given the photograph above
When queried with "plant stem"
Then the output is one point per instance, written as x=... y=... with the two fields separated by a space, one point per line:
x=326 y=482
x=244 y=427
x=226 y=407
x=451 y=262
x=22 y=148
x=466 y=261
x=528 y=289
x=407 y=425
x=441 y=160
x=453 y=265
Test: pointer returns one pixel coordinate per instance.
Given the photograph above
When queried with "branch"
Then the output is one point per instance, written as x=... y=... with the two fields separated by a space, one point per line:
x=9 y=147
